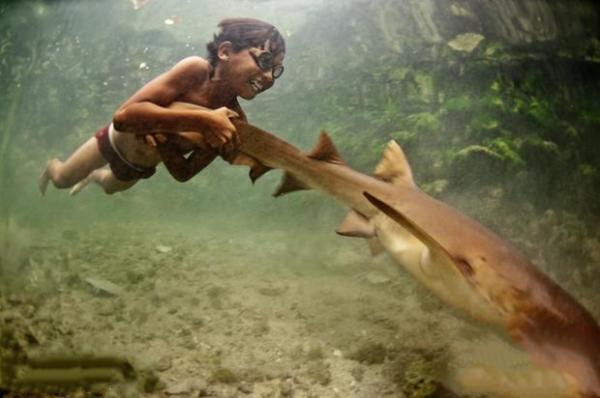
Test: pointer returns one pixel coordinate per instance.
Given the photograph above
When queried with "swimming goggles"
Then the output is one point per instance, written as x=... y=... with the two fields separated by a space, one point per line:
x=265 y=61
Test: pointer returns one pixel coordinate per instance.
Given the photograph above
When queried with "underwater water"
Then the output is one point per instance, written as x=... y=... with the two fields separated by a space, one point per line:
x=216 y=288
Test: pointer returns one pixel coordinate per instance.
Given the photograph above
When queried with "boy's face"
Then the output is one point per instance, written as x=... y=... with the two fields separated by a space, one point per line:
x=253 y=70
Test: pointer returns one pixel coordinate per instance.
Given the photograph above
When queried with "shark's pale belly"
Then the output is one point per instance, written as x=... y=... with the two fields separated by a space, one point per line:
x=437 y=274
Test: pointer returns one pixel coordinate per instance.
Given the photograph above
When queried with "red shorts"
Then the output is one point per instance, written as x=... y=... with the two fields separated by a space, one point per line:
x=123 y=170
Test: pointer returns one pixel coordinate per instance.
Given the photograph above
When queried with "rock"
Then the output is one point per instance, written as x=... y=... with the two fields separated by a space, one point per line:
x=179 y=388
x=358 y=372
x=28 y=311
x=163 y=249
x=377 y=278
x=104 y=286
x=286 y=388
x=105 y=309
x=466 y=42
x=370 y=353
x=272 y=291
x=162 y=364
x=246 y=387
x=318 y=372
x=224 y=376
x=185 y=387
x=15 y=299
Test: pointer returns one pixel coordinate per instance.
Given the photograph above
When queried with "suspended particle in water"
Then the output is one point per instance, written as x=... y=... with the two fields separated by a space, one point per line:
x=137 y=4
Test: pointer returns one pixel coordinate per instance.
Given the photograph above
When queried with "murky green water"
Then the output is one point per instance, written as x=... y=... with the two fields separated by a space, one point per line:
x=215 y=287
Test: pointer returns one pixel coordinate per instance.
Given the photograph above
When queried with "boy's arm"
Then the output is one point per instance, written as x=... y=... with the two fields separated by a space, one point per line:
x=147 y=110
x=180 y=167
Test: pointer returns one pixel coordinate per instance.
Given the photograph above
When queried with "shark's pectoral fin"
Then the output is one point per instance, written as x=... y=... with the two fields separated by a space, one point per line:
x=375 y=246
x=394 y=167
x=326 y=151
x=290 y=184
x=257 y=169
x=356 y=225
x=437 y=251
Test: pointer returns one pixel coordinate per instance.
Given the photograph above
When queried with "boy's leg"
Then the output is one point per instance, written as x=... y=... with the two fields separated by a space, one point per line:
x=106 y=179
x=79 y=165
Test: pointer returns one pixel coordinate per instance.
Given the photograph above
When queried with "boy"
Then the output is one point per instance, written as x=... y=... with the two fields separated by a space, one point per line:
x=244 y=60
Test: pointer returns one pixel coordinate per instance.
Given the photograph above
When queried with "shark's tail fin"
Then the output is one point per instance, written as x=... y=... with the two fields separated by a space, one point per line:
x=324 y=151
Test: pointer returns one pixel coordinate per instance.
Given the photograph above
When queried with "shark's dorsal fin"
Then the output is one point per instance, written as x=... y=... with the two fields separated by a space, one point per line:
x=257 y=169
x=462 y=264
x=289 y=183
x=394 y=167
x=325 y=150
x=356 y=225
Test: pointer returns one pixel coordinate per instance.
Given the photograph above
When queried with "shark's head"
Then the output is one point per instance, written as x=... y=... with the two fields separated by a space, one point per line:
x=553 y=328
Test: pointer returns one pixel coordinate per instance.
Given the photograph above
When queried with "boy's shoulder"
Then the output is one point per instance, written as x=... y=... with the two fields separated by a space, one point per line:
x=194 y=65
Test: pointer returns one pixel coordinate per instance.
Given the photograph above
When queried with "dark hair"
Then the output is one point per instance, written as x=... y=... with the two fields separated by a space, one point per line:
x=245 y=33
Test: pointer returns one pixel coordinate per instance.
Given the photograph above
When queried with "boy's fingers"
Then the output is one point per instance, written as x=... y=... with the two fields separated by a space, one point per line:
x=225 y=135
x=219 y=138
x=161 y=138
x=150 y=140
x=232 y=136
x=230 y=126
x=231 y=113
x=228 y=134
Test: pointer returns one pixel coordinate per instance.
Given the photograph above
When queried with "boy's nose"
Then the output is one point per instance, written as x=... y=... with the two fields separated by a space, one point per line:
x=268 y=76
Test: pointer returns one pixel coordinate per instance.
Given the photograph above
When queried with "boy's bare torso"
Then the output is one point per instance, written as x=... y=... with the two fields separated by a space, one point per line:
x=136 y=150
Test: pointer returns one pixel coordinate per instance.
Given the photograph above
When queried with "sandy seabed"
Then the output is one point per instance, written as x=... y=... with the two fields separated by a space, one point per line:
x=269 y=312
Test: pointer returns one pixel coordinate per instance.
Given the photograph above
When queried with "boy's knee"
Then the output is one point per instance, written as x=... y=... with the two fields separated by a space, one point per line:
x=62 y=181
x=109 y=190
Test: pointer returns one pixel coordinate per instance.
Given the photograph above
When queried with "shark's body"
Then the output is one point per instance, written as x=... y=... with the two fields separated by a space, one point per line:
x=461 y=261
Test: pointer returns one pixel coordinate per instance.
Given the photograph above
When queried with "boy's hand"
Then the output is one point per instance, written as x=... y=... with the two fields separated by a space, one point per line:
x=223 y=136
x=223 y=132
x=155 y=139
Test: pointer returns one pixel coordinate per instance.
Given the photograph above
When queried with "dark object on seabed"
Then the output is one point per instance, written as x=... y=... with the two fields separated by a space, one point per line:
x=64 y=373
x=27 y=374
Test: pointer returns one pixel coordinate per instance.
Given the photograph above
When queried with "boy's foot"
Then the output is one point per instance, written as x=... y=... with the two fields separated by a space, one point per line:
x=80 y=185
x=43 y=181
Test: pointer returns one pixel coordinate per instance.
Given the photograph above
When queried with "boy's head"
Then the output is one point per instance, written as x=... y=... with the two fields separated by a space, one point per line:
x=246 y=33
x=247 y=54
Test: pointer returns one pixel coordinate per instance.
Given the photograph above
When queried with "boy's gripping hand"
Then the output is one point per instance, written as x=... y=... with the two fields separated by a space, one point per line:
x=222 y=136
x=155 y=139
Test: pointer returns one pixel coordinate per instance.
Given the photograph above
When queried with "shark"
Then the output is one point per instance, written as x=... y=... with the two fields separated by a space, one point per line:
x=462 y=262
